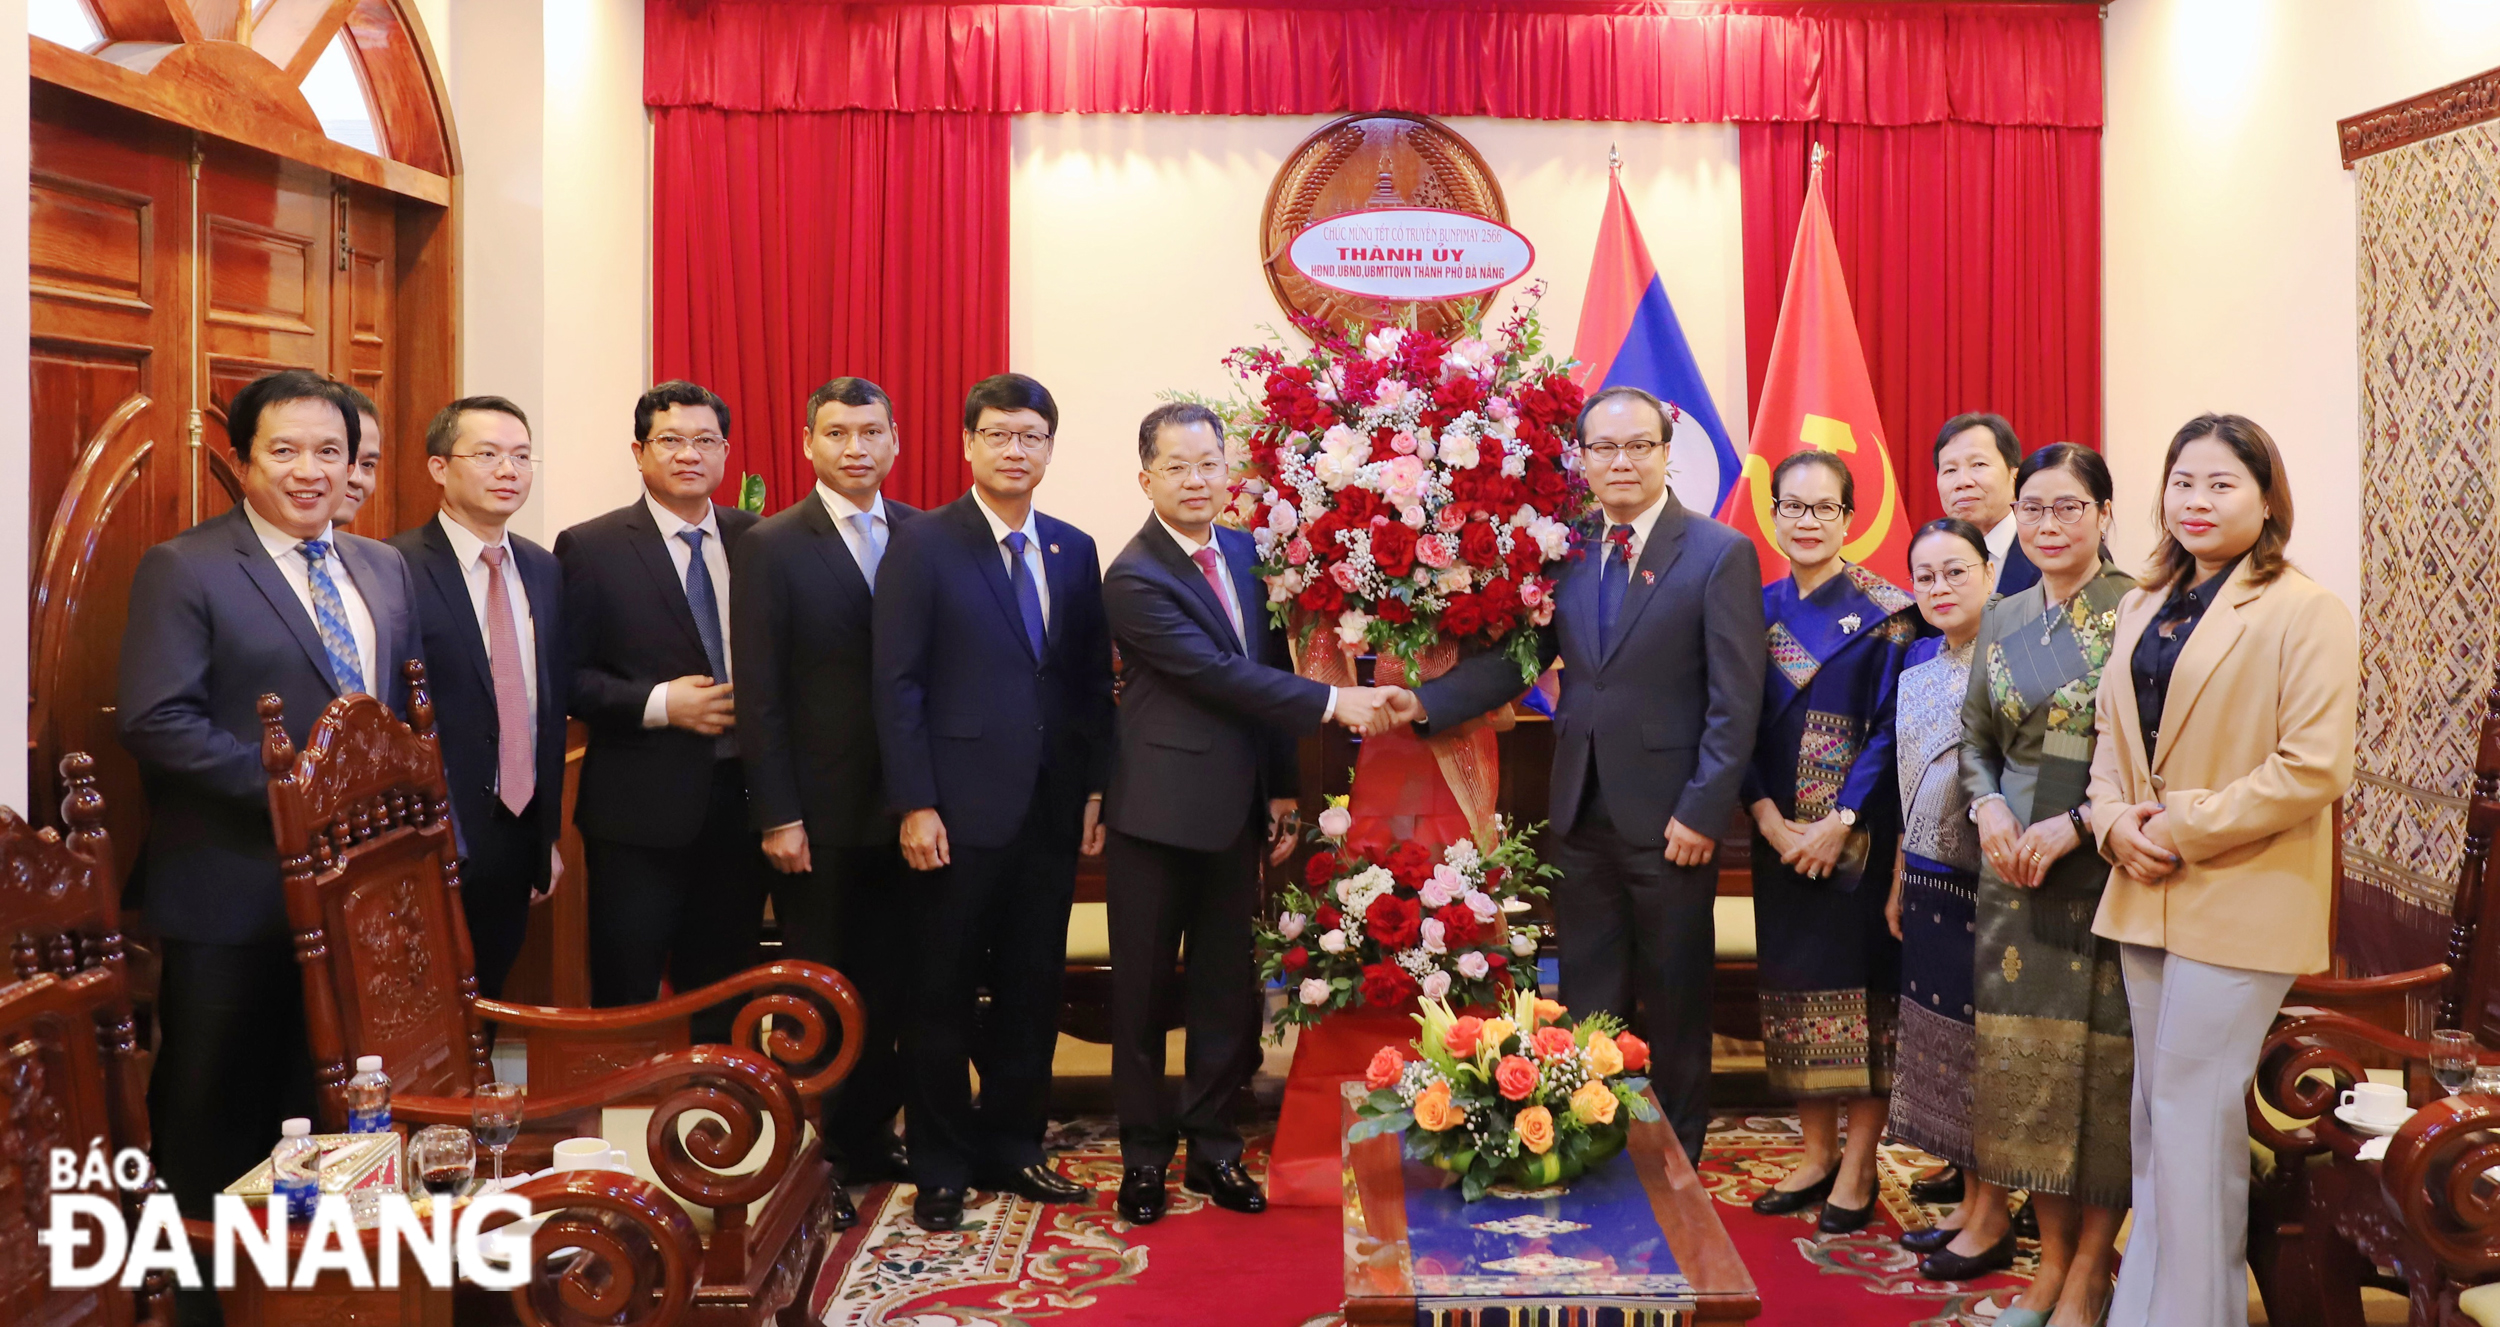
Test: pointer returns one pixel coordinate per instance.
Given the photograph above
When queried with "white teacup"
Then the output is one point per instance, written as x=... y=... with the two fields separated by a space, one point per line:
x=2379 y=1103
x=590 y=1154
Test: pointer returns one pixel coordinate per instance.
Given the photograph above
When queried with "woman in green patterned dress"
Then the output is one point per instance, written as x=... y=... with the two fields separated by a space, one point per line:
x=2049 y=1099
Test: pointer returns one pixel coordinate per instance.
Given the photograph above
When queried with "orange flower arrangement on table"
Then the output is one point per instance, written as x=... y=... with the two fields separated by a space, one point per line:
x=1525 y=1099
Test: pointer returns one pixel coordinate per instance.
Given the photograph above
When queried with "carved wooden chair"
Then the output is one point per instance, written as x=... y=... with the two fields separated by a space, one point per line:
x=60 y=900
x=373 y=894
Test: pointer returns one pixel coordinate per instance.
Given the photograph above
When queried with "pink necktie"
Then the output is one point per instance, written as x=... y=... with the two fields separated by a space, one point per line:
x=1209 y=563
x=516 y=765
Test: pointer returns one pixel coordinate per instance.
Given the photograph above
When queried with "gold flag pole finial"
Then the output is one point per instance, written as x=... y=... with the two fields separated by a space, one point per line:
x=1614 y=159
x=1818 y=156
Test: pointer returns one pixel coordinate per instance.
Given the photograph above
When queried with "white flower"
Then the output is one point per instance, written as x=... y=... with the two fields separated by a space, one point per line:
x=1513 y=464
x=1290 y=925
x=1353 y=625
x=1523 y=943
x=1332 y=943
x=1418 y=962
x=1265 y=538
x=1437 y=986
x=1523 y=517
x=1335 y=821
x=1383 y=343
x=1282 y=518
x=1458 y=450
x=1284 y=587
x=1462 y=854
x=1479 y=903
x=1553 y=538
x=1390 y=395
x=1314 y=991
x=1454 y=580
x=1412 y=516
x=1473 y=965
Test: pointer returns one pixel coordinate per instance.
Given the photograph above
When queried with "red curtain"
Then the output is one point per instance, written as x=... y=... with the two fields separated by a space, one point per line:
x=1973 y=253
x=789 y=248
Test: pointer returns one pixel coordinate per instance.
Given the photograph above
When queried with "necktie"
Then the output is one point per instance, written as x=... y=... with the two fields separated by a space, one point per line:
x=330 y=619
x=1212 y=565
x=706 y=605
x=1028 y=598
x=1613 y=578
x=516 y=769
x=870 y=553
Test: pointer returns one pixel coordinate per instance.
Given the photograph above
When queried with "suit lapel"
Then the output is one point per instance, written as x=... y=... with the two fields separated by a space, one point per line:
x=991 y=561
x=1185 y=573
x=833 y=546
x=652 y=548
x=264 y=573
x=2122 y=641
x=1575 y=615
x=1658 y=553
x=442 y=567
x=1241 y=564
x=1054 y=567
x=2206 y=647
x=545 y=583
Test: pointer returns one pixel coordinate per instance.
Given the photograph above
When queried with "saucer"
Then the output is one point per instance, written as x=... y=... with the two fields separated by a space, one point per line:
x=2364 y=1124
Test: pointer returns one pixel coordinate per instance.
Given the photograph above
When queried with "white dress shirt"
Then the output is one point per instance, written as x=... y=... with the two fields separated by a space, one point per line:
x=2000 y=543
x=999 y=530
x=298 y=573
x=1641 y=526
x=842 y=509
x=469 y=551
x=1231 y=596
x=716 y=559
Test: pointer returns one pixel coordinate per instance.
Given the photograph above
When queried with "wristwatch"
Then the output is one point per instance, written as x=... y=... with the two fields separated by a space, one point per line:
x=1848 y=818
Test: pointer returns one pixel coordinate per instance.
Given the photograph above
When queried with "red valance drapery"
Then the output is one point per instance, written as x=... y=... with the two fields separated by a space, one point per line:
x=1965 y=193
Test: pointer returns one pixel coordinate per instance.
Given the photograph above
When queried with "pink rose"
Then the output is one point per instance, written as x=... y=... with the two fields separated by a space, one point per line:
x=1343 y=575
x=1532 y=592
x=1403 y=444
x=1298 y=552
x=1335 y=821
x=1450 y=518
x=1434 y=551
x=1473 y=965
x=1514 y=1077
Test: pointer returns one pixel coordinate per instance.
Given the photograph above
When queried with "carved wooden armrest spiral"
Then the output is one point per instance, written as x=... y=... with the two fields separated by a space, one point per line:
x=2303 y=1071
x=2435 y=1173
x=638 y=1256
x=805 y=1002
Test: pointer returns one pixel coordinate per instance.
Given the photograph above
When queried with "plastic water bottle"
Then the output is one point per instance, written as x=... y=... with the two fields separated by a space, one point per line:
x=369 y=1097
x=295 y=1170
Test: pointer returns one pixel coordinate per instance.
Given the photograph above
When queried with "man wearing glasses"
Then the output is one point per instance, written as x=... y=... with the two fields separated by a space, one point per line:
x=676 y=876
x=491 y=607
x=1660 y=631
x=993 y=706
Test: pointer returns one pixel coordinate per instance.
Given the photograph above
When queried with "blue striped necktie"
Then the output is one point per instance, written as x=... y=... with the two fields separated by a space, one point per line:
x=704 y=600
x=330 y=619
x=1028 y=599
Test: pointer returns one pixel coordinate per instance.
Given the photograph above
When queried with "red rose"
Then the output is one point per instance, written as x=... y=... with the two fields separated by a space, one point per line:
x=1500 y=597
x=1297 y=958
x=1525 y=559
x=1387 y=984
x=1393 y=549
x=1515 y=1076
x=1321 y=869
x=1464 y=1036
x=1553 y=1043
x=1635 y=1052
x=1394 y=922
x=1479 y=545
x=1384 y=1069
x=1459 y=927
x=1393 y=609
x=1328 y=917
x=1322 y=596
x=1357 y=506
x=1408 y=864
x=1499 y=960
x=1462 y=616
x=1494 y=876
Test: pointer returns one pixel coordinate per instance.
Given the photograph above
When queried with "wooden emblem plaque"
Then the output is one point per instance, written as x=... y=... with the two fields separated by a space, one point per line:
x=1355 y=163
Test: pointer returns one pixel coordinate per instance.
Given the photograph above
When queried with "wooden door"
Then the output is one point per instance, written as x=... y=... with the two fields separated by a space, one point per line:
x=268 y=243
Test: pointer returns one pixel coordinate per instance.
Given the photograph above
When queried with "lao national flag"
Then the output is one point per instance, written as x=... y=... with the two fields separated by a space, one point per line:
x=1816 y=394
x=1629 y=338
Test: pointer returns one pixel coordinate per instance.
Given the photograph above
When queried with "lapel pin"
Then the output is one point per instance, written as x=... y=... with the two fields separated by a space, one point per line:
x=1054 y=548
x=1849 y=624
x=1649 y=578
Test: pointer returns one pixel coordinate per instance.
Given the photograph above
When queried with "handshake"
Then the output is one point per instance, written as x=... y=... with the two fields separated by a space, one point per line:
x=1371 y=711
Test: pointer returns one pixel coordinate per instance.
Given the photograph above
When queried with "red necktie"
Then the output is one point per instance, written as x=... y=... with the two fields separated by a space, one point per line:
x=516 y=764
x=1209 y=563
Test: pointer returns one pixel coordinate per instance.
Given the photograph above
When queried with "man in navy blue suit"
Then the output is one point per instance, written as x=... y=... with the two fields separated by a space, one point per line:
x=1207 y=772
x=266 y=598
x=993 y=696
x=493 y=607
x=1976 y=456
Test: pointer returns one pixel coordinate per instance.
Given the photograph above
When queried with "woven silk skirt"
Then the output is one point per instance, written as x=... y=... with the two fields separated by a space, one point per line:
x=1830 y=977
x=1932 y=1068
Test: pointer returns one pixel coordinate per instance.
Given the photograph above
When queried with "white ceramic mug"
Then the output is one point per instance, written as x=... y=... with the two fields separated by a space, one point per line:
x=589 y=1154
x=2376 y=1102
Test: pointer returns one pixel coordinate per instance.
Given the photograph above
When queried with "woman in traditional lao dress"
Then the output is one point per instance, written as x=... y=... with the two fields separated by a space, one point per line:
x=1821 y=792
x=1935 y=899
x=2049 y=1100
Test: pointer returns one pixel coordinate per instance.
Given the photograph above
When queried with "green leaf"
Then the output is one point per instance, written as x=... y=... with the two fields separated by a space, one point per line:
x=751 y=494
x=1472 y=1185
x=1384 y=1099
x=1375 y=1126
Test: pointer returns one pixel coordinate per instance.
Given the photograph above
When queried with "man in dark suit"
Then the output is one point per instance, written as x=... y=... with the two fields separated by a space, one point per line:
x=360 y=476
x=676 y=879
x=266 y=598
x=993 y=705
x=1976 y=457
x=1660 y=631
x=805 y=599
x=1206 y=776
x=492 y=604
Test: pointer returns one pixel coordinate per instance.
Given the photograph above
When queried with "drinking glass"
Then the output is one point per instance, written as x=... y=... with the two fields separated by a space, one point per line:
x=495 y=1112
x=2453 y=1053
x=444 y=1158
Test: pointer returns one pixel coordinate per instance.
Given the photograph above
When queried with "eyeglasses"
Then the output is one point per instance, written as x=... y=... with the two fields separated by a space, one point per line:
x=1793 y=509
x=2070 y=511
x=493 y=461
x=1206 y=470
x=997 y=440
x=1604 y=453
x=709 y=444
x=1955 y=575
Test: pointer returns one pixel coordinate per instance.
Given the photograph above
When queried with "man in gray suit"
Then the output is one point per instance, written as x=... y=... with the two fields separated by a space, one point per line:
x=266 y=598
x=1659 y=627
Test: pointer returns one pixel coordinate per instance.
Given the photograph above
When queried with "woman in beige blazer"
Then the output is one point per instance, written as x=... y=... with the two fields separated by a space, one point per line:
x=2219 y=761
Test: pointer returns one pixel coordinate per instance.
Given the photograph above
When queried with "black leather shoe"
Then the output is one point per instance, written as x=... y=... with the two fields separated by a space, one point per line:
x=938 y=1209
x=1942 y=1189
x=2026 y=1222
x=1923 y=1242
x=1946 y=1265
x=845 y=1216
x=881 y=1162
x=1041 y=1184
x=1781 y=1202
x=1227 y=1183
x=1839 y=1220
x=1142 y=1195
